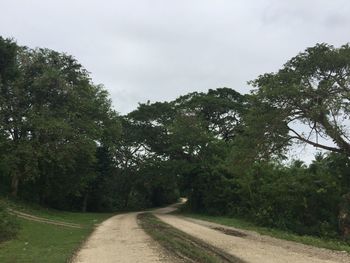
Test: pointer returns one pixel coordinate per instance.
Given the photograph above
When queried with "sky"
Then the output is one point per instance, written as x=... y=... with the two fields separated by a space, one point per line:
x=158 y=50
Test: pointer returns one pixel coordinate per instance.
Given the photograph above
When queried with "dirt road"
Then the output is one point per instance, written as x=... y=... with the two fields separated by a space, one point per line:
x=251 y=247
x=120 y=239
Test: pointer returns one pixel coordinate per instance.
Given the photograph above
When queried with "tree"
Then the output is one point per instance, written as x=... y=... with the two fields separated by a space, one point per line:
x=52 y=118
x=14 y=110
x=221 y=110
x=203 y=130
x=144 y=154
x=312 y=91
x=308 y=101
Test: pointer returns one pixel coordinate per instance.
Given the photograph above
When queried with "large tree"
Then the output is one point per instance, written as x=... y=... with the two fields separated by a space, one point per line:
x=308 y=100
x=52 y=118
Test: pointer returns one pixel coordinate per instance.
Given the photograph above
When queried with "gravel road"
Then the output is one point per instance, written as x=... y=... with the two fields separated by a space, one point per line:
x=250 y=246
x=120 y=239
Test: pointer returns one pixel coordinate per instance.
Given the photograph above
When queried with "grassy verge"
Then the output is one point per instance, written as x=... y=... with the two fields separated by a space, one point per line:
x=181 y=245
x=53 y=214
x=333 y=244
x=40 y=242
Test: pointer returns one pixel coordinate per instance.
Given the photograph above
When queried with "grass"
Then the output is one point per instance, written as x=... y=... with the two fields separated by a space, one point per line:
x=53 y=214
x=40 y=242
x=334 y=244
x=182 y=245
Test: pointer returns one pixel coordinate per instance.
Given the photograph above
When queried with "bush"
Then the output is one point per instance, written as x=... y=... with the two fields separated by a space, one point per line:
x=302 y=199
x=8 y=225
x=292 y=198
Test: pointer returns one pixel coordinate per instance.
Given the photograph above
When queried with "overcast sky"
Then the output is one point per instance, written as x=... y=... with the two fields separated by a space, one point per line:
x=159 y=49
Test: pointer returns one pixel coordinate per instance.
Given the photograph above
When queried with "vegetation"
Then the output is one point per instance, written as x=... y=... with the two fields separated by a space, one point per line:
x=297 y=198
x=313 y=89
x=182 y=245
x=63 y=146
x=8 y=225
x=41 y=242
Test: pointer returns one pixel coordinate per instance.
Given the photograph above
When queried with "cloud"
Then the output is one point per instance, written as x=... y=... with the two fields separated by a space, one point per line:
x=157 y=50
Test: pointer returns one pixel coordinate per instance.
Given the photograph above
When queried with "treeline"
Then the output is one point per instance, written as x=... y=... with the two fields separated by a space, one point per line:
x=62 y=144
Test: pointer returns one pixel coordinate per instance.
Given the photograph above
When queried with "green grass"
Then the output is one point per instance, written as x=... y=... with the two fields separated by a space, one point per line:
x=42 y=243
x=182 y=245
x=334 y=244
x=53 y=214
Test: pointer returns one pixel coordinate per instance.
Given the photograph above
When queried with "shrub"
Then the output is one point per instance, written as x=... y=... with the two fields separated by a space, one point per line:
x=8 y=224
x=302 y=199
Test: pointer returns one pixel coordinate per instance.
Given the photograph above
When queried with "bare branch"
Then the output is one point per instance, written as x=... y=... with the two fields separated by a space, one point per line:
x=315 y=144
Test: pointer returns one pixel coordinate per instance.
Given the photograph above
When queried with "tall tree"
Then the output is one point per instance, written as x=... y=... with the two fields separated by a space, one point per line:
x=312 y=90
x=52 y=119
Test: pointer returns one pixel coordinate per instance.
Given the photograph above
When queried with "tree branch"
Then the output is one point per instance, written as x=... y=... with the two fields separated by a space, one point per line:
x=325 y=147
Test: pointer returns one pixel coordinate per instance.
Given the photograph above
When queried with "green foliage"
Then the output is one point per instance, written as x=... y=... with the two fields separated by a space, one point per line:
x=312 y=90
x=9 y=226
x=295 y=199
x=62 y=144
x=52 y=119
x=305 y=200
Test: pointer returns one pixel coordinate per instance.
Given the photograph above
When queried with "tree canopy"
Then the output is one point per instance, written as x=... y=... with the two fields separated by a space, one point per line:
x=311 y=89
x=63 y=145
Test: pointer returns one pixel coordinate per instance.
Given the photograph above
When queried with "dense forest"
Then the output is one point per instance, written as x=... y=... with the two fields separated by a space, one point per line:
x=62 y=145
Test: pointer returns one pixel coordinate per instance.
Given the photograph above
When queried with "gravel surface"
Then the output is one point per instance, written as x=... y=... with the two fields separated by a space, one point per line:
x=120 y=239
x=252 y=247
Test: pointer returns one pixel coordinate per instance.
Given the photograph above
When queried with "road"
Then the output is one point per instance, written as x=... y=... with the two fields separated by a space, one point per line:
x=120 y=239
x=252 y=247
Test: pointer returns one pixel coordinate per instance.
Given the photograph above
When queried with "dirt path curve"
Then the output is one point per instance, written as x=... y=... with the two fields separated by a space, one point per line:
x=250 y=246
x=120 y=239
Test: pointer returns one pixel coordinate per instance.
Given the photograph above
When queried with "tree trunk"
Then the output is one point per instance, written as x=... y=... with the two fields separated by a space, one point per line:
x=334 y=134
x=344 y=217
x=126 y=200
x=85 y=200
x=14 y=184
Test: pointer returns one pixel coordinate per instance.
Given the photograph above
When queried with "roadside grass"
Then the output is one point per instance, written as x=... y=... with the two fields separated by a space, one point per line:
x=182 y=245
x=53 y=214
x=38 y=242
x=334 y=244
